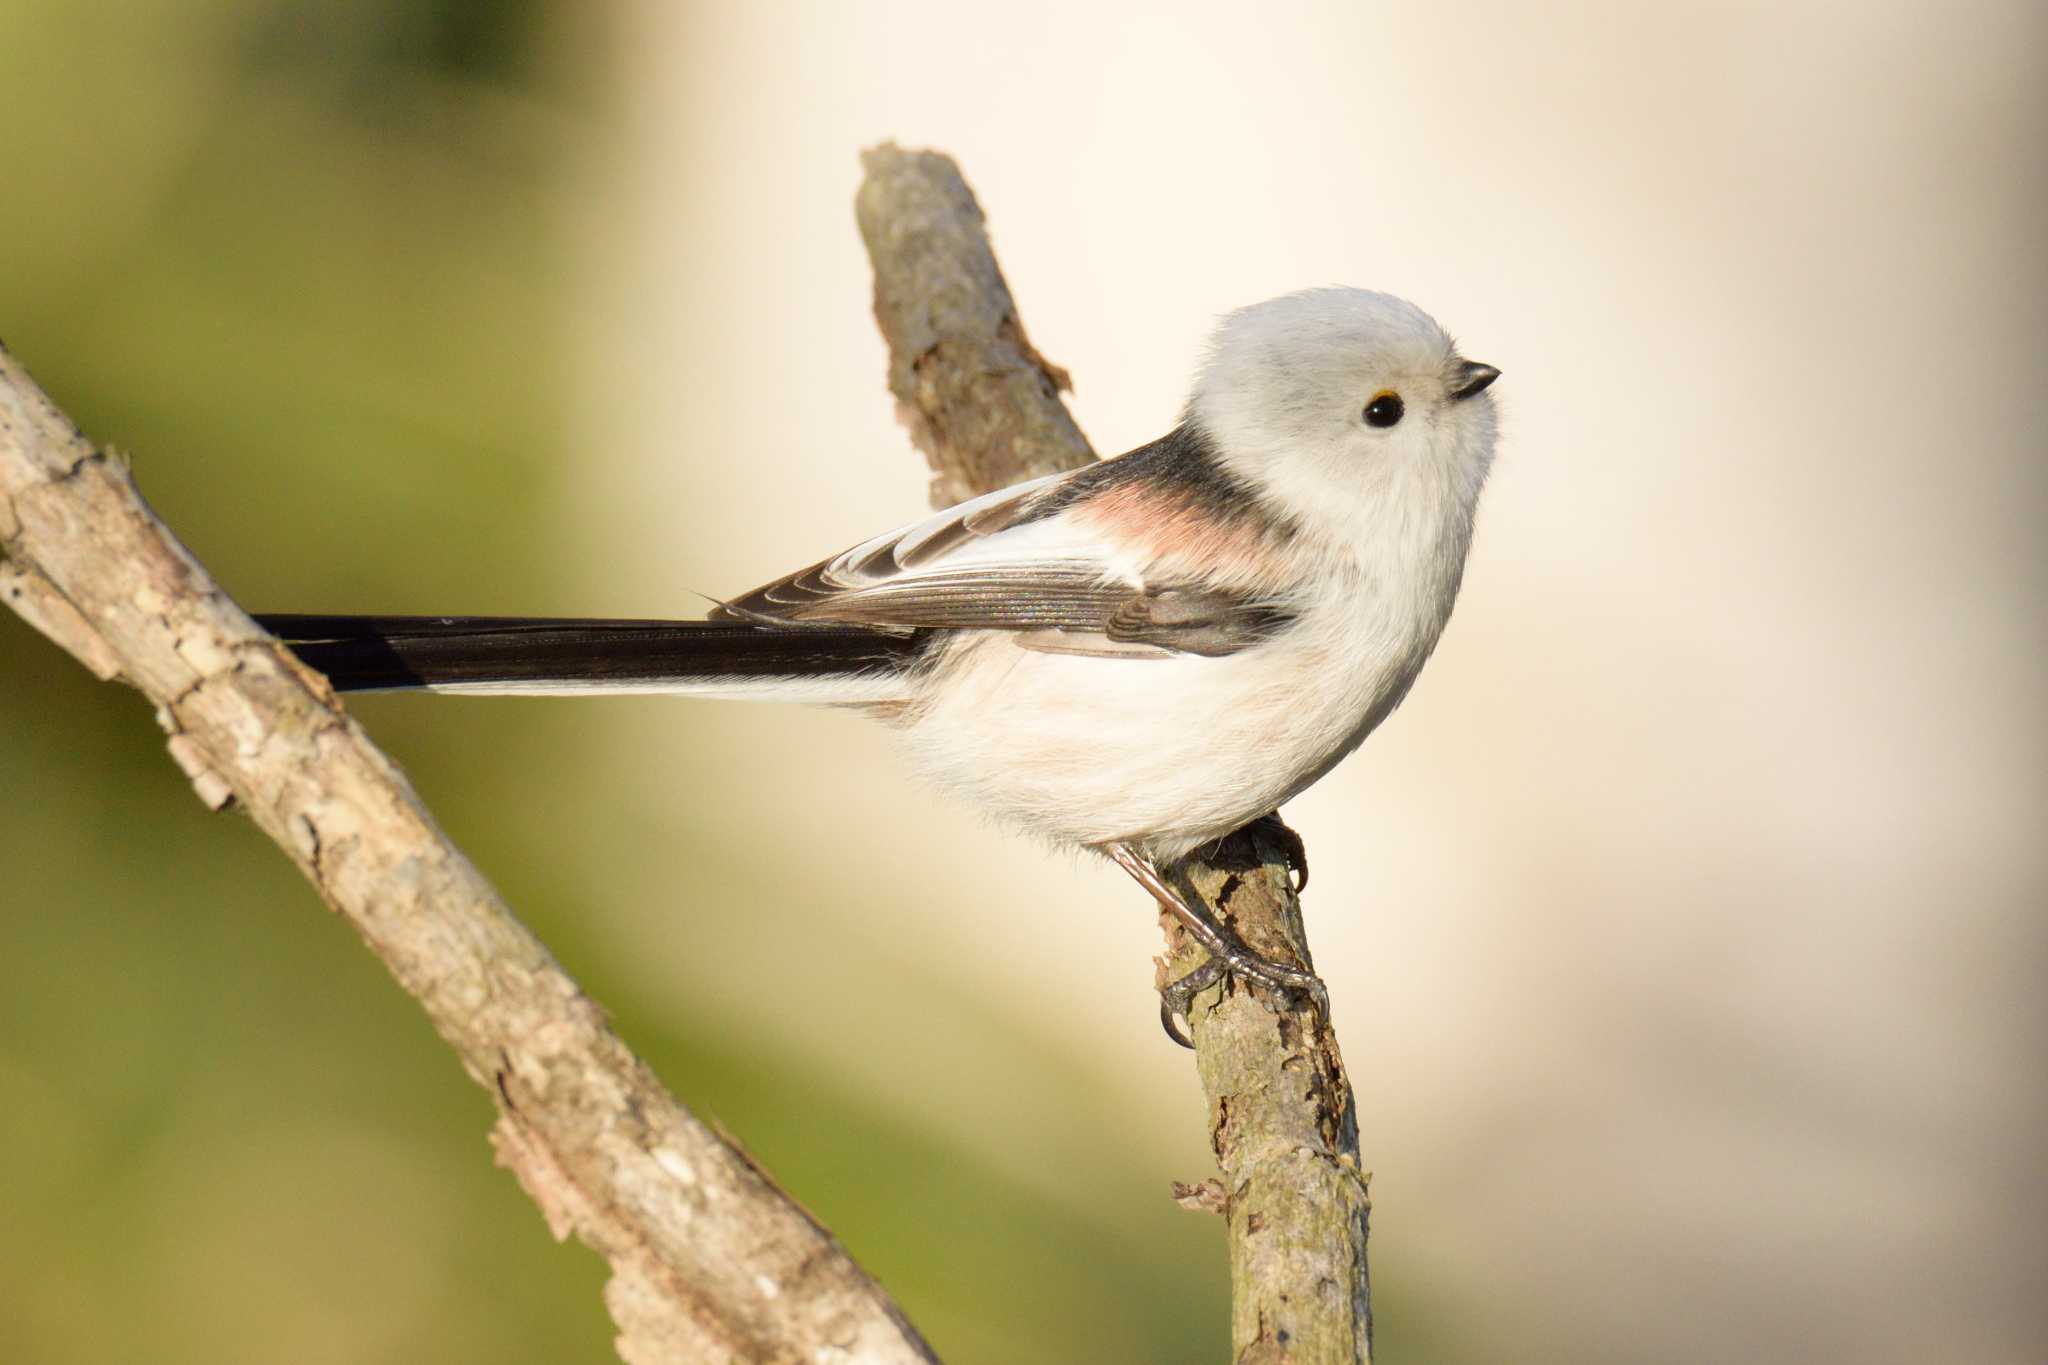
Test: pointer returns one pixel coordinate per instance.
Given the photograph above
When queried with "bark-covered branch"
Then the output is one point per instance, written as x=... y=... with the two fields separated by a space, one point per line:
x=980 y=402
x=710 y=1261
x=985 y=408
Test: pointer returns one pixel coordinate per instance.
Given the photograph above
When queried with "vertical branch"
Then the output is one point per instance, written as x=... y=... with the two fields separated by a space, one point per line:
x=980 y=402
x=1282 y=1124
x=985 y=408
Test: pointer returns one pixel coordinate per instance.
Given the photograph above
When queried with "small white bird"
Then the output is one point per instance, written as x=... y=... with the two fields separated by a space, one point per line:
x=1138 y=657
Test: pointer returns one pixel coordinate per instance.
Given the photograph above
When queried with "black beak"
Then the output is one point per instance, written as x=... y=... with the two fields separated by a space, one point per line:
x=1469 y=377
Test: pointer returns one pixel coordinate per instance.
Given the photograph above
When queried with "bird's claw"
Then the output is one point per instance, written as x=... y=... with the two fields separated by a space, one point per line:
x=1176 y=997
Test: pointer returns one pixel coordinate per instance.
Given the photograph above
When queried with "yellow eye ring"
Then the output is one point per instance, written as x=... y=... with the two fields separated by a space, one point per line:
x=1385 y=409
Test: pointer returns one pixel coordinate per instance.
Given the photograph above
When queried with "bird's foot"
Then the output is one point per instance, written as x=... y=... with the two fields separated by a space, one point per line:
x=1227 y=956
x=1240 y=963
x=1291 y=847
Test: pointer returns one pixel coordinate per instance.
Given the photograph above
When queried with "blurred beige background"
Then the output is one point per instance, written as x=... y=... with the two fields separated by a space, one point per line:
x=1685 y=927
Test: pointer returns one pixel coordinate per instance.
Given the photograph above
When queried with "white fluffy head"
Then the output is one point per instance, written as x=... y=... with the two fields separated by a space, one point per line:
x=1284 y=396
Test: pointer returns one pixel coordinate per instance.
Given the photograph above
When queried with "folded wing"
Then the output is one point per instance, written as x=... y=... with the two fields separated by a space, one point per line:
x=1025 y=559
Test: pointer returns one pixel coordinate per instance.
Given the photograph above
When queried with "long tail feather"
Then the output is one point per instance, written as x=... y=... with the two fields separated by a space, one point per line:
x=540 y=655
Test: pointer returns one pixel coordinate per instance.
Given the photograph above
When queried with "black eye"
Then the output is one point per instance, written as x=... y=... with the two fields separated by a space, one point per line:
x=1384 y=410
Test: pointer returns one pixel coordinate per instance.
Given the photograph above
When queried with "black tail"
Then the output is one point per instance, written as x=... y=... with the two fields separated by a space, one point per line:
x=537 y=654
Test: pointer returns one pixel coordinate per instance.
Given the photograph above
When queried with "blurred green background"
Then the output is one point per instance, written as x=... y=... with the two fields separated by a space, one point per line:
x=306 y=262
x=1684 y=929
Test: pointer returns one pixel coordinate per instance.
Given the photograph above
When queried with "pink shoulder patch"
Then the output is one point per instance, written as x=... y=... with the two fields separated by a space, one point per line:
x=1166 y=525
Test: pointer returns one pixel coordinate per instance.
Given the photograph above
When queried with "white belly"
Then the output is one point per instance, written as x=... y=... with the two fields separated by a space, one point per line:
x=1166 y=753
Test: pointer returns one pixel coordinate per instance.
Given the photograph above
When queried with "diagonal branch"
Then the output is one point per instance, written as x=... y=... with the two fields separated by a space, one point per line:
x=710 y=1261
x=985 y=408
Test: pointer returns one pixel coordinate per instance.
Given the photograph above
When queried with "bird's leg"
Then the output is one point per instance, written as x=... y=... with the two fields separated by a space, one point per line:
x=1225 y=956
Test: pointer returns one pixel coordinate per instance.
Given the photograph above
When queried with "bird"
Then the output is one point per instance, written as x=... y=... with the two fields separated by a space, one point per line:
x=1137 y=657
